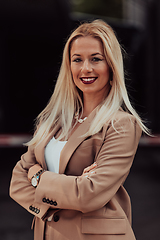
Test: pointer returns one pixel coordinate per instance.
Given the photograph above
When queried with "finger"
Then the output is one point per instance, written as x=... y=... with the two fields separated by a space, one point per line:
x=88 y=174
x=89 y=168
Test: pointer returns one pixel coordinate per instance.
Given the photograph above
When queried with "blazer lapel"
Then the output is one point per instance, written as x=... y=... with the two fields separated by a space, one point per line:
x=69 y=148
x=74 y=141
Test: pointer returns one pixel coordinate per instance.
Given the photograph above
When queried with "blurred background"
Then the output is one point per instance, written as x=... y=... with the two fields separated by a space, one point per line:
x=32 y=37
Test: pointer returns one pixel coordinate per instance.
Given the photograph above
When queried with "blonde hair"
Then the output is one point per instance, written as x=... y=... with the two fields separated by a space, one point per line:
x=67 y=99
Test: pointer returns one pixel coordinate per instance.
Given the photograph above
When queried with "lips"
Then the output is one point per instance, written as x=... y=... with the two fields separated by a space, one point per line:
x=88 y=80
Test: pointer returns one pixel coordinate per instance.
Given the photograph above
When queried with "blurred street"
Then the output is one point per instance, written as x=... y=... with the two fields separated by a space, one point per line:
x=142 y=184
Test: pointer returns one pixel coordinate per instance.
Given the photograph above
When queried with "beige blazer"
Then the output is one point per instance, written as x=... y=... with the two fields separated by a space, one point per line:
x=70 y=207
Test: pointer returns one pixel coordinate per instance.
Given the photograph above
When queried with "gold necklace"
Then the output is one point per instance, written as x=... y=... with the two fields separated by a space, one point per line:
x=80 y=120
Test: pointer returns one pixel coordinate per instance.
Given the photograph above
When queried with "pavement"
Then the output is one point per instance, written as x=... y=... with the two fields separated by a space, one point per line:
x=143 y=185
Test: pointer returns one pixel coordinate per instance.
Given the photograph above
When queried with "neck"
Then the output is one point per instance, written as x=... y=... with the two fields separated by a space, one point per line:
x=89 y=104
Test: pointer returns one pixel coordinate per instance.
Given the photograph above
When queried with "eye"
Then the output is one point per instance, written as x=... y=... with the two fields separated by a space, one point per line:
x=96 y=59
x=77 y=60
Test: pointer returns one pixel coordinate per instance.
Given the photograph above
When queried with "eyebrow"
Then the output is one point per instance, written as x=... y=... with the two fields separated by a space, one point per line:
x=94 y=54
x=97 y=54
x=78 y=55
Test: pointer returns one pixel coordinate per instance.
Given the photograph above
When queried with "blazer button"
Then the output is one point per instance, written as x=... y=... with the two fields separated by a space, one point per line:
x=47 y=200
x=53 y=203
x=44 y=200
x=37 y=211
x=31 y=208
x=56 y=218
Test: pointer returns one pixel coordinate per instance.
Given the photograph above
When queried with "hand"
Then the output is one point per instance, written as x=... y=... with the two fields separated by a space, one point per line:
x=88 y=171
x=33 y=170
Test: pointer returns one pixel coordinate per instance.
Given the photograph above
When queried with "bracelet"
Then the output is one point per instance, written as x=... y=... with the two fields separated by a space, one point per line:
x=39 y=172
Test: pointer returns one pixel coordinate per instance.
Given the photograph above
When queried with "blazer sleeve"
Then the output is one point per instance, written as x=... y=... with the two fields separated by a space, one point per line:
x=114 y=161
x=21 y=189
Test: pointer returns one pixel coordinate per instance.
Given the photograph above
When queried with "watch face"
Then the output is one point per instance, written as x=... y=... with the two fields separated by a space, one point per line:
x=34 y=182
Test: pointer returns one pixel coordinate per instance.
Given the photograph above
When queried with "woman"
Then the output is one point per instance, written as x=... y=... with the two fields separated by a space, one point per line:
x=72 y=176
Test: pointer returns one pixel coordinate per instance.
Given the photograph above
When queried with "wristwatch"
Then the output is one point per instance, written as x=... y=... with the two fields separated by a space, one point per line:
x=36 y=177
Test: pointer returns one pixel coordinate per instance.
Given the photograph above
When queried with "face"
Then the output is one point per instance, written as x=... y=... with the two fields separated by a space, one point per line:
x=89 y=67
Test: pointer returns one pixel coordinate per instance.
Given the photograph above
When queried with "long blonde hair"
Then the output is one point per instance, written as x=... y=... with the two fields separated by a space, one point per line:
x=67 y=99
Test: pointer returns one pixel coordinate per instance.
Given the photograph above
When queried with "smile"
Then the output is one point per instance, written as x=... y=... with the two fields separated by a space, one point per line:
x=87 y=80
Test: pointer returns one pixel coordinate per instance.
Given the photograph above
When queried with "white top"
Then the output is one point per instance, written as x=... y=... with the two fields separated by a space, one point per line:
x=52 y=154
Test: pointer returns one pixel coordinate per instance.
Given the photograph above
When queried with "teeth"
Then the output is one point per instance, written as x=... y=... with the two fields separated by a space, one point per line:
x=88 y=79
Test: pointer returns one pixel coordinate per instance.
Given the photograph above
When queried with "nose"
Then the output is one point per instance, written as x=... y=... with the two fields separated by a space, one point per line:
x=87 y=66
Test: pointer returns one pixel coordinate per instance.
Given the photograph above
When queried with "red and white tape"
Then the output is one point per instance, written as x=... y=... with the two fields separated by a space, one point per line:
x=13 y=140
x=17 y=140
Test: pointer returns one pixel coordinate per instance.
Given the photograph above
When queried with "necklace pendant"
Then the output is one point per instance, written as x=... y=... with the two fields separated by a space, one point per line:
x=80 y=120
